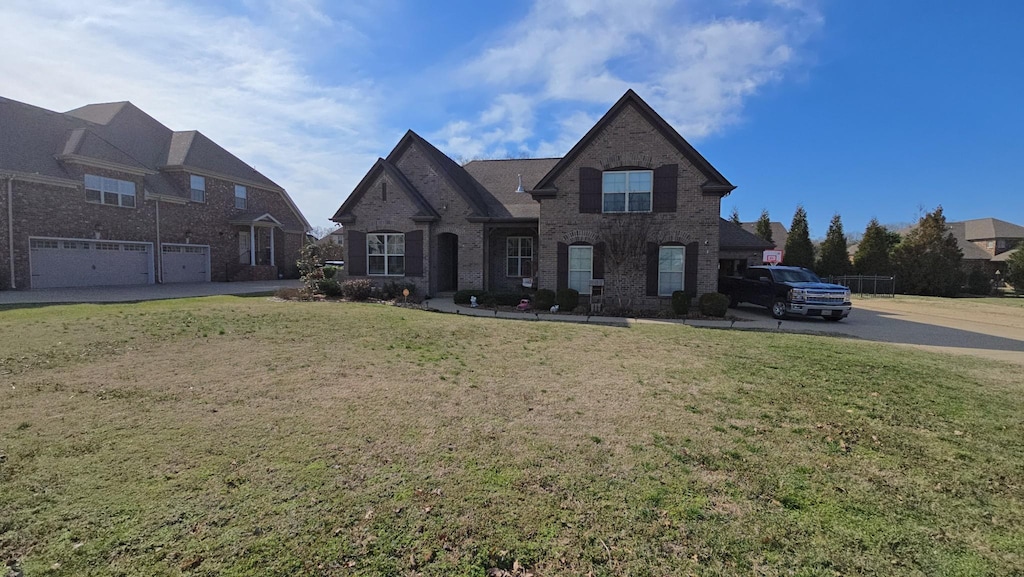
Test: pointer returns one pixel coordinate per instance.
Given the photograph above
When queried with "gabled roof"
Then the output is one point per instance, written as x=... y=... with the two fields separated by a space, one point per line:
x=779 y=232
x=425 y=213
x=36 y=140
x=735 y=237
x=501 y=178
x=716 y=183
x=990 y=228
x=456 y=176
x=970 y=250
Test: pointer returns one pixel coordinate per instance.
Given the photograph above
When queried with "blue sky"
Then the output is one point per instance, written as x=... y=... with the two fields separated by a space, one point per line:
x=867 y=109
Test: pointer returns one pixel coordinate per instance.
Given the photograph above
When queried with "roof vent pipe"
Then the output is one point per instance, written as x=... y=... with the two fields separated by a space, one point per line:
x=520 y=187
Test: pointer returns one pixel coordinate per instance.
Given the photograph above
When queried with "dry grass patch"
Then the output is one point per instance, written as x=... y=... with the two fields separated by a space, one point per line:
x=237 y=436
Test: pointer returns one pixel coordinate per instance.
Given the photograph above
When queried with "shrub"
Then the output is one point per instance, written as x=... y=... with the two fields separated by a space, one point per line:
x=462 y=297
x=544 y=299
x=393 y=290
x=357 y=289
x=506 y=299
x=713 y=304
x=329 y=287
x=680 y=302
x=330 y=271
x=288 y=294
x=567 y=299
x=978 y=283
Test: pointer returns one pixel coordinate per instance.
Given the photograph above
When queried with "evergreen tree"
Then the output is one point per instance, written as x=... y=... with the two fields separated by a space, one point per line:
x=1015 y=270
x=834 y=259
x=872 y=256
x=763 y=228
x=799 y=249
x=928 y=260
x=735 y=216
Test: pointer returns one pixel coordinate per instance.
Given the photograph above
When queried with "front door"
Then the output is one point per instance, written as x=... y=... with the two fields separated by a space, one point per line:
x=447 y=262
x=243 y=247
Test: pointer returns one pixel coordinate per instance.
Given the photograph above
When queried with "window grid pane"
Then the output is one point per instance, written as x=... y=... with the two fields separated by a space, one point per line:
x=627 y=190
x=385 y=254
x=671 y=261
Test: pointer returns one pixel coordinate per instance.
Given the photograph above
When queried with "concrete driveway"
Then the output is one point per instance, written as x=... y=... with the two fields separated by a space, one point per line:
x=135 y=293
x=935 y=328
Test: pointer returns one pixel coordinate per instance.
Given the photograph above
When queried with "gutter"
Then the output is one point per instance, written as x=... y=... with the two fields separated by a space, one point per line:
x=10 y=225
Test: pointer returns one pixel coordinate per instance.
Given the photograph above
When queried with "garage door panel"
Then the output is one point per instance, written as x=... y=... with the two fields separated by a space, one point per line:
x=78 y=263
x=184 y=263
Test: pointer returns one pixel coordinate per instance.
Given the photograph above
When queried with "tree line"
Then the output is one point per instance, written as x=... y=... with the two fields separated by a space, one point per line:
x=926 y=260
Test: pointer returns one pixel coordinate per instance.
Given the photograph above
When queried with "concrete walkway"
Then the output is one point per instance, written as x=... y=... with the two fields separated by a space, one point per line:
x=135 y=293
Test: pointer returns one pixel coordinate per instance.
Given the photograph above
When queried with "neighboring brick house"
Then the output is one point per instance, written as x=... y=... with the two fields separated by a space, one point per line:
x=987 y=243
x=632 y=207
x=107 y=195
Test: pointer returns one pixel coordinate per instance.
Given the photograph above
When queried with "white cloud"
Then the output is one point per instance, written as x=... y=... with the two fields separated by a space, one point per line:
x=238 y=81
x=695 y=63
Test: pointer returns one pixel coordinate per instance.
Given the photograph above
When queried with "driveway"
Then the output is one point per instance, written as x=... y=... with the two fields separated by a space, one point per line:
x=118 y=294
x=994 y=333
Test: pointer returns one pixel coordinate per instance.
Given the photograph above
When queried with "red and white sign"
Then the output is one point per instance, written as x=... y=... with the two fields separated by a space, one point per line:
x=772 y=256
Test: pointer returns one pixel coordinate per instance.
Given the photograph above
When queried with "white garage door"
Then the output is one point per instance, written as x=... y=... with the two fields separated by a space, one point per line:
x=186 y=263
x=73 y=262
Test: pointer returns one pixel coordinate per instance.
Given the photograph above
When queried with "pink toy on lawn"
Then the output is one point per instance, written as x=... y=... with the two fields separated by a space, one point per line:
x=524 y=305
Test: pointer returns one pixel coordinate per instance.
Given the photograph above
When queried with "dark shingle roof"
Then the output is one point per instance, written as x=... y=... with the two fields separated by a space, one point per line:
x=501 y=178
x=735 y=237
x=34 y=138
x=779 y=232
x=971 y=251
x=990 y=228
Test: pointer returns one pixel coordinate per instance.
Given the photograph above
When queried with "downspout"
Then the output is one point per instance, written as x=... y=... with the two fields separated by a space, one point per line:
x=159 y=247
x=10 y=224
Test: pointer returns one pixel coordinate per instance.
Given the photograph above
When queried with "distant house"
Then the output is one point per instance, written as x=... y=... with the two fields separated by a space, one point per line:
x=107 y=195
x=987 y=243
x=632 y=208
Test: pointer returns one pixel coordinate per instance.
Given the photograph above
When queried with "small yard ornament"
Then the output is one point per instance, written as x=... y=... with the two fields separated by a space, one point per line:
x=524 y=305
x=554 y=308
x=472 y=301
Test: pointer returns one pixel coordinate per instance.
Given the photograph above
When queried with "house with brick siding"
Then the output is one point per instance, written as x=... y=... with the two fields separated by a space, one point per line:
x=107 y=195
x=631 y=211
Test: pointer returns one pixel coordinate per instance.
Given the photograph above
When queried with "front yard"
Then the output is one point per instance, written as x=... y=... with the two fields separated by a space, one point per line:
x=243 y=436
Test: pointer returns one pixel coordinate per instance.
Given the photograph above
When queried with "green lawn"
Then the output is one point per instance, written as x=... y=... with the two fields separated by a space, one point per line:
x=242 y=436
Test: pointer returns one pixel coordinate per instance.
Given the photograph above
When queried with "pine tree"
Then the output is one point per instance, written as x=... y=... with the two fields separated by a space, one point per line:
x=928 y=260
x=834 y=259
x=799 y=249
x=763 y=228
x=735 y=216
x=872 y=256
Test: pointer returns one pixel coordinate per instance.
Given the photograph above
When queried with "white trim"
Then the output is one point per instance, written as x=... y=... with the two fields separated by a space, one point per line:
x=385 y=254
x=105 y=164
x=569 y=270
x=627 y=192
x=184 y=245
x=681 y=273
x=519 y=258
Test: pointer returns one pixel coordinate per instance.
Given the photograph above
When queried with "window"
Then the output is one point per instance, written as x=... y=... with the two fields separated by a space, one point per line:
x=198 y=186
x=520 y=256
x=385 y=254
x=241 y=196
x=581 y=268
x=103 y=190
x=627 y=190
x=670 y=269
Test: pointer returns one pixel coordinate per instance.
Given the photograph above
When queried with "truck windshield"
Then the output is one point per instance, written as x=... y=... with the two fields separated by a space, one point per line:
x=795 y=276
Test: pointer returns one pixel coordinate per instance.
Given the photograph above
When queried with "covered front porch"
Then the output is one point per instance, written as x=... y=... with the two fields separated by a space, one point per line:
x=511 y=257
x=258 y=247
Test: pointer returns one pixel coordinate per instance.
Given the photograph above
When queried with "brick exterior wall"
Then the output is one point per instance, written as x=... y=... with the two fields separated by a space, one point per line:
x=629 y=140
x=497 y=238
x=53 y=211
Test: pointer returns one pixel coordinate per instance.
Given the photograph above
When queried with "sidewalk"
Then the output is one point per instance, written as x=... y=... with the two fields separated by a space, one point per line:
x=741 y=320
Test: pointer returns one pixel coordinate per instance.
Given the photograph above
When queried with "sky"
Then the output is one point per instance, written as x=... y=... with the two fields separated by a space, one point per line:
x=868 y=109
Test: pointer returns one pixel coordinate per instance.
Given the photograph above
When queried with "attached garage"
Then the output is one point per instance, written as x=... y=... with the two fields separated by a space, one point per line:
x=185 y=263
x=73 y=262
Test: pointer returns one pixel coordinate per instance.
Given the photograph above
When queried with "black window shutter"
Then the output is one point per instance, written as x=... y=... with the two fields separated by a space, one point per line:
x=356 y=252
x=690 y=269
x=414 y=253
x=665 y=184
x=652 y=269
x=599 y=260
x=562 y=270
x=590 y=190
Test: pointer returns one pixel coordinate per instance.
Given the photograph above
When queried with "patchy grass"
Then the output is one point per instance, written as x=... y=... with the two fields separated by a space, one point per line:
x=241 y=436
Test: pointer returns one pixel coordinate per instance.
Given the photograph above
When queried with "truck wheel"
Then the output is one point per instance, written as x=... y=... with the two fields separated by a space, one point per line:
x=779 y=309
